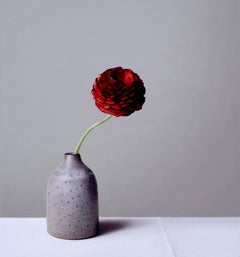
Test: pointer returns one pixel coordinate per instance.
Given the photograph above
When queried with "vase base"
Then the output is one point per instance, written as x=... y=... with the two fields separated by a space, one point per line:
x=73 y=236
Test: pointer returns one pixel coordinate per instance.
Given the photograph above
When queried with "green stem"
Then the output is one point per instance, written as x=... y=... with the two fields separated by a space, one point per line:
x=89 y=130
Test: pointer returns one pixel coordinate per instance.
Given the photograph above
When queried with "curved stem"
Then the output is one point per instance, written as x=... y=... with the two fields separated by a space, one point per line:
x=89 y=130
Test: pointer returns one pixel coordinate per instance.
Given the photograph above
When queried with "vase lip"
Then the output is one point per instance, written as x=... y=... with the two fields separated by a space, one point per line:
x=71 y=154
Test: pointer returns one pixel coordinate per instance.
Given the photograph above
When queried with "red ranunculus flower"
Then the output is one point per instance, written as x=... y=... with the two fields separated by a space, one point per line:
x=118 y=92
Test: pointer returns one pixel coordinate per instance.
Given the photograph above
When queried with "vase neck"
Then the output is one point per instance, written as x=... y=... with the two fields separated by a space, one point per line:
x=71 y=160
x=72 y=157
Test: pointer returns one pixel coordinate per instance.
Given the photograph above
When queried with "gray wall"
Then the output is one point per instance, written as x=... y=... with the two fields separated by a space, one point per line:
x=179 y=156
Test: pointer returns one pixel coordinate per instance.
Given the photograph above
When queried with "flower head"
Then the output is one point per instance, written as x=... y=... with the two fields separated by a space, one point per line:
x=118 y=92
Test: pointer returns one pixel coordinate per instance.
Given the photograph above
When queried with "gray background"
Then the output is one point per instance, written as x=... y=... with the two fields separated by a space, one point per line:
x=178 y=156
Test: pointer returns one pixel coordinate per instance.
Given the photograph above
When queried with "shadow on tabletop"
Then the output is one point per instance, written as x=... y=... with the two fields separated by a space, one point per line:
x=110 y=226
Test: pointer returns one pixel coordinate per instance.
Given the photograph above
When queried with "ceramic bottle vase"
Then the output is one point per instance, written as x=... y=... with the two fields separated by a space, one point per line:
x=72 y=200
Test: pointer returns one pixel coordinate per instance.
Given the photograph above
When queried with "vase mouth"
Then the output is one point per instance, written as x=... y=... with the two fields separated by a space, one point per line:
x=71 y=154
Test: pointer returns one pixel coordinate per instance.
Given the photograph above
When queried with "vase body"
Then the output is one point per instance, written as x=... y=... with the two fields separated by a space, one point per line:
x=72 y=200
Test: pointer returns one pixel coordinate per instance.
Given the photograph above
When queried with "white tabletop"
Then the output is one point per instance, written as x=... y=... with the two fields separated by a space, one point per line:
x=126 y=237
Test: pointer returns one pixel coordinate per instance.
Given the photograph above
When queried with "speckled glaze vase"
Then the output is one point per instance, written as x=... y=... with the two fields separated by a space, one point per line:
x=72 y=200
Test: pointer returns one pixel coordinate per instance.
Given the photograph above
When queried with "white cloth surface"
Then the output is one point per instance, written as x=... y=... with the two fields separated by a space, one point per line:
x=126 y=237
x=203 y=237
x=119 y=237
